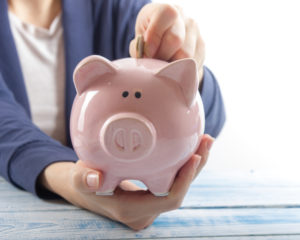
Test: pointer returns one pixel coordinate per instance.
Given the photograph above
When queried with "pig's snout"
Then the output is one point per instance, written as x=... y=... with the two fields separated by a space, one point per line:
x=128 y=136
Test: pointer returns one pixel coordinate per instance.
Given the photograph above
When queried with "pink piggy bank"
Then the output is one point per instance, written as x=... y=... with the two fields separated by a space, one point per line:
x=136 y=119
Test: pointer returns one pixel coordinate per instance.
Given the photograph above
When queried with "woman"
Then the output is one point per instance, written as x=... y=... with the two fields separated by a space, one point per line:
x=41 y=43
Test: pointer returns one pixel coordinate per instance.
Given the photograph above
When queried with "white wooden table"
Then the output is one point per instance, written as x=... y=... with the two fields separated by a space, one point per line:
x=216 y=207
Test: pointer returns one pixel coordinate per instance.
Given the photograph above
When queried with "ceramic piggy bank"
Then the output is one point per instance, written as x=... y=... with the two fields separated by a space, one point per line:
x=136 y=119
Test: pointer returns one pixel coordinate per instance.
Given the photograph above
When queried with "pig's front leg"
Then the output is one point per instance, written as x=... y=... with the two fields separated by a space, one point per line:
x=160 y=184
x=110 y=182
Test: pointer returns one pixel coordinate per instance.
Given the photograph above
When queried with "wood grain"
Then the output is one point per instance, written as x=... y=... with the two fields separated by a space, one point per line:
x=79 y=224
x=216 y=207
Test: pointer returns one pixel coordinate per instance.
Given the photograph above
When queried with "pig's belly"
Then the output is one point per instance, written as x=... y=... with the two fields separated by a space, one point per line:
x=167 y=154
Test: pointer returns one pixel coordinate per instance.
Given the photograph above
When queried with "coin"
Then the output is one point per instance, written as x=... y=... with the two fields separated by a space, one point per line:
x=140 y=46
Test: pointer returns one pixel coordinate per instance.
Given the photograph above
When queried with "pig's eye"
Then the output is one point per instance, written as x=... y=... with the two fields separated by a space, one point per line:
x=138 y=95
x=125 y=94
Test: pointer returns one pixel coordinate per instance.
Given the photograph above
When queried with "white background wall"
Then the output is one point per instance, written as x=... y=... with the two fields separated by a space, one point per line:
x=253 y=48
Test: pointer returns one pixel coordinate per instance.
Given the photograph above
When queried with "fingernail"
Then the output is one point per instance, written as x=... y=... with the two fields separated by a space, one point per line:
x=209 y=144
x=197 y=162
x=150 y=50
x=92 y=180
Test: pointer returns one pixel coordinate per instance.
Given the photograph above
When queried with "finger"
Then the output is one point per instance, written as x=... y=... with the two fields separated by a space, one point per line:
x=205 y=145
x=85 y=179
x=132 y=48
x=163 y=18
x=199 y=54
x=203 y=151
x=142 y=23
x=172 y=40
x=184 y=179
x=129 y=186
x=187 y=49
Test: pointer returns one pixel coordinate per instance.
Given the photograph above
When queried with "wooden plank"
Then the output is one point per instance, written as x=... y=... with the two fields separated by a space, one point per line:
x=213 y=208
x=235 y=189
x=176 y=224
x=263 y=237
x=242 y=196
x=12 y=198
x=199 y=196
x=234 y=179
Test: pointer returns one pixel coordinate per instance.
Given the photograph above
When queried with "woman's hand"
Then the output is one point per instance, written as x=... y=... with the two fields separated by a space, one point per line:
x=130 y=204
x=168 y=35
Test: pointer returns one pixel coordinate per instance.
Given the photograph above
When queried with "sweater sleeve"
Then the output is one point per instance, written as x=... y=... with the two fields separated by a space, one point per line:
x=115 y=19
x=213 y=104
x=24 y=149
x=125 y=14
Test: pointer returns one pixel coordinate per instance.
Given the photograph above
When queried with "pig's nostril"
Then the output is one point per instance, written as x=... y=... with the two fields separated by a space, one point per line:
x=136 y=139
x=119 y=138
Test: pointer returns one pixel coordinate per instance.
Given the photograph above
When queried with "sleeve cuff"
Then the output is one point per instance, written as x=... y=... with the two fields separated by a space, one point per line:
x=30 y=160
x=213 y=103
x=207 y=89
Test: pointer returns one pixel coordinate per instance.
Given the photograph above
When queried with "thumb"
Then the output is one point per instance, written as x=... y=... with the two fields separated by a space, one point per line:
x=133 y=48
x=185 y=176
x=85 y=179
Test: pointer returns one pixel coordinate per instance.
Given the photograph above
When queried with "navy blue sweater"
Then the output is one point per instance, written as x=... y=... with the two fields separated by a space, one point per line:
x=103 y=27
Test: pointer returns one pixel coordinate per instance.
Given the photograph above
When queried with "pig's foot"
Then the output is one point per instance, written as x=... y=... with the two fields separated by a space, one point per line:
x=108 y=187
x=110 y=193
x=160 y=186
x=161 y=194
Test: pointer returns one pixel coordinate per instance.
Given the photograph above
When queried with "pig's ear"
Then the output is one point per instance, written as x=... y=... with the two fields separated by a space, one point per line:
x=185 y=73
x=91 y=69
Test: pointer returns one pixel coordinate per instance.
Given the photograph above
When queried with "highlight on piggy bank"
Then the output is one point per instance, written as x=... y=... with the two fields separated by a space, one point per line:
x=136 y=119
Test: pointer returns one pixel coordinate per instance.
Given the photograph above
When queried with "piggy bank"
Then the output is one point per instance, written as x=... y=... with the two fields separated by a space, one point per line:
x=137 y=119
